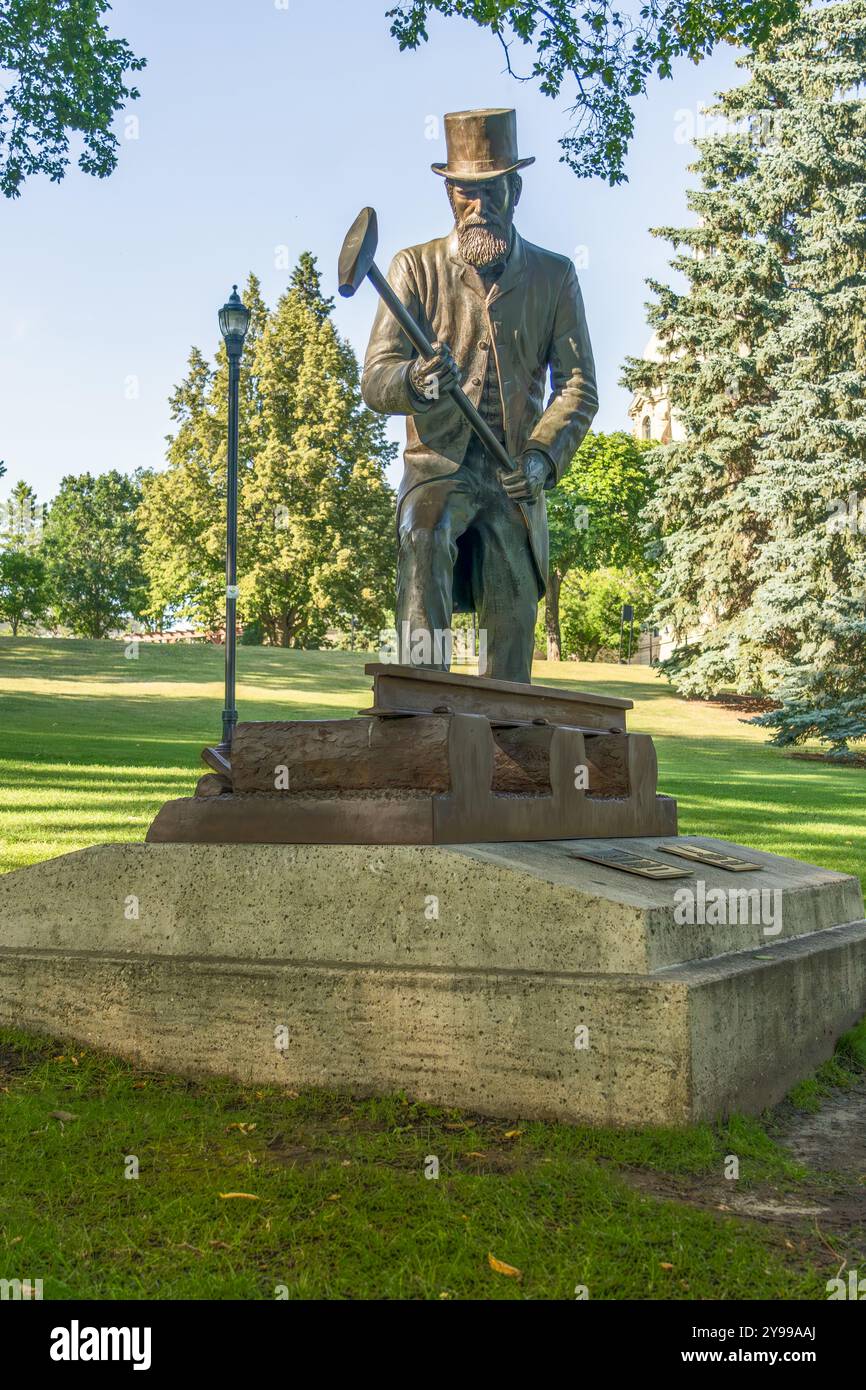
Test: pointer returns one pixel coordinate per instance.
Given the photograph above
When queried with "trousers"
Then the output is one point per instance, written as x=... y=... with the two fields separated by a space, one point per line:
x=464 y=547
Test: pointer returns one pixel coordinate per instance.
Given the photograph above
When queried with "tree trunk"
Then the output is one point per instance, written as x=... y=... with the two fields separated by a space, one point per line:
x=551 y=617
x=13 y=622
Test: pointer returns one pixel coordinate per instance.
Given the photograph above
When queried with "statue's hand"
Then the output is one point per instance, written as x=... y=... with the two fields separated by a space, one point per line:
x=526 y=483
x=432 y=376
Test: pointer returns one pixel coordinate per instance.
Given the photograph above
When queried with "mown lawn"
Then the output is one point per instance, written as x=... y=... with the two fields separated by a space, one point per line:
x=91 y=744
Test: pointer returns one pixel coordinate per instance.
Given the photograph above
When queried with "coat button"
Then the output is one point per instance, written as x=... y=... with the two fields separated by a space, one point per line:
x=483 y=345
x=476 y=381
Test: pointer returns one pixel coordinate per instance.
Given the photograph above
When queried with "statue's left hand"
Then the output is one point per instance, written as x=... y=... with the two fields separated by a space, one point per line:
x=526 y=483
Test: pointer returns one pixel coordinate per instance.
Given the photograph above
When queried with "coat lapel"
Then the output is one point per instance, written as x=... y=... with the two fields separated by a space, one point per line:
x=512 y=275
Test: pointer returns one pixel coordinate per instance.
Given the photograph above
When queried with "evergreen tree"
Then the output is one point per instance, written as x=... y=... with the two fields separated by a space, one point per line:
x=315 y=514
x=21 y=519
x=810 y=598
x=765 y=368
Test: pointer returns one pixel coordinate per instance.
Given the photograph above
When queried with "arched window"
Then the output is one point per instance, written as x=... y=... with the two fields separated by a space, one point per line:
x=646 y=428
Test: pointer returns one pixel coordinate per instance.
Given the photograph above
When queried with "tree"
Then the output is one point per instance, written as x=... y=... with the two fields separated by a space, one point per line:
x=315 y=515
x=608 y=54
x=21 y=518
x=592 y=602
x=67 y=76
x=23 y=590
x=93 y=552
x=595 y=517
x=767 y=369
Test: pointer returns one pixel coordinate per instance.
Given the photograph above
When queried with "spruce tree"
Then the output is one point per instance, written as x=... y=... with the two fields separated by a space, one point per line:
x=809 y=605
x=765 y=368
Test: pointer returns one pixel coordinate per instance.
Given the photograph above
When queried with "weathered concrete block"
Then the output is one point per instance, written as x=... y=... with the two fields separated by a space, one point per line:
x=463 y=975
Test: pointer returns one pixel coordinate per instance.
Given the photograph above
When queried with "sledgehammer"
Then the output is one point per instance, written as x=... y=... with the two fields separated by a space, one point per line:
x=356 y=264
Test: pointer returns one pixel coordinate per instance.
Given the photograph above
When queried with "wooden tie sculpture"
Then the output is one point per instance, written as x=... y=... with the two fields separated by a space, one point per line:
x=438 y=759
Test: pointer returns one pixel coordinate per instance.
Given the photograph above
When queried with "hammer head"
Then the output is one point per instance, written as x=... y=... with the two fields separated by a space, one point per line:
x=358 y=251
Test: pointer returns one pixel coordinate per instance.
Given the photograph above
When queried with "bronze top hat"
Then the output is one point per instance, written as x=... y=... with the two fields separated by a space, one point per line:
x=481 y=145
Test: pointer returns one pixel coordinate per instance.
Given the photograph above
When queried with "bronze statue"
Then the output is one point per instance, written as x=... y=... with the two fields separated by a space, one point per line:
x=500 y=314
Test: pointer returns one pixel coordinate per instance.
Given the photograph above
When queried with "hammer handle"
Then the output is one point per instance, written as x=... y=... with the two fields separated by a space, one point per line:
x=424 y=347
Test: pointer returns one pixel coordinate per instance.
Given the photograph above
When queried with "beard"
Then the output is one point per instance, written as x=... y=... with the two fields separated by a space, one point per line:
x=479 y=245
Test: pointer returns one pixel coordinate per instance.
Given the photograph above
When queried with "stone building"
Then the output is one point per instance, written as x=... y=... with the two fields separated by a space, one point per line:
x=651 y=414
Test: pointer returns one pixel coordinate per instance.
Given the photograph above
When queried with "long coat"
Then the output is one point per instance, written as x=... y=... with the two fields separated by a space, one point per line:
x=532 y=321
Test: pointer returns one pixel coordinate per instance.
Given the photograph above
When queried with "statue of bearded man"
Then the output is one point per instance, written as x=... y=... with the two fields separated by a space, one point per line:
x=504 y=316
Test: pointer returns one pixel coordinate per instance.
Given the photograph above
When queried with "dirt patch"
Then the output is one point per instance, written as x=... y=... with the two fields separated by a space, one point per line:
x=12 y=1063
x=827 y=1226
x=291 y=1154
x=747 y=704
x=858 y=760
x=824 y=1217
x=832 y=1139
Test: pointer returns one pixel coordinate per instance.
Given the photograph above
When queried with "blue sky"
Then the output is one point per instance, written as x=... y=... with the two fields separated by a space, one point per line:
x=268 y=124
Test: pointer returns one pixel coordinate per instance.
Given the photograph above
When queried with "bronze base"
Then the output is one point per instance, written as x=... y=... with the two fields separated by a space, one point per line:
x=441 y=759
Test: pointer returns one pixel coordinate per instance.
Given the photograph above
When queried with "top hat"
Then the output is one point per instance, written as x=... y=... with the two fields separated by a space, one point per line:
x=481 y=145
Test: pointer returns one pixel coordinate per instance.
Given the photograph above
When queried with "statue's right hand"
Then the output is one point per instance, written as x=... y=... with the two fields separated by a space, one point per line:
x=432 y=376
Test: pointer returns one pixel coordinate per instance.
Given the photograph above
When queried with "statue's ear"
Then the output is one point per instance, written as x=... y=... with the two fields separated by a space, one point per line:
x=516 y=188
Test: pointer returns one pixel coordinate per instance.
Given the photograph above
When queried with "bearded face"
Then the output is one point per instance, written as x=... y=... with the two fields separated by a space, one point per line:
x=483 y=217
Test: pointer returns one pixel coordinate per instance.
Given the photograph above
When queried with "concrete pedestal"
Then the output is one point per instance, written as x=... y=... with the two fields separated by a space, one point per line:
x=511 y=980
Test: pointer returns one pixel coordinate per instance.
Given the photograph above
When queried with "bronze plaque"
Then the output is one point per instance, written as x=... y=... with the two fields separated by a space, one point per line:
x=712 y=858
x=630 y=863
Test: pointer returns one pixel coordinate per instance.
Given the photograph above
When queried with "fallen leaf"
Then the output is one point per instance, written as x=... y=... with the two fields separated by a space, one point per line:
x=664 y=1265
x=444 y=1294
x=139 y=1085
x=513 y=1133
x=64 y=1116
x=334 y=1197
x=455 y=1125
x=244 y=1127
x=501 y=1267
x=249 y=1196
x=474 y=1153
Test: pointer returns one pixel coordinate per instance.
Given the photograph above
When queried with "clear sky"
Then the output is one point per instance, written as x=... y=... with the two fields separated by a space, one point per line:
x=264 y=125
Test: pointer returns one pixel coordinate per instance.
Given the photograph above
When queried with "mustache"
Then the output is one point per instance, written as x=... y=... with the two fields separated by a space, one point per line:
x=477 y=219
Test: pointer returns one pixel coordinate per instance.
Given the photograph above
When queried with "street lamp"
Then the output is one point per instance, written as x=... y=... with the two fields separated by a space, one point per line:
x=234 y=319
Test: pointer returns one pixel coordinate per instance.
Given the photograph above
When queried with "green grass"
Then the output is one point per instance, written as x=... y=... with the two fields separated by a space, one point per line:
x=343 y=1209
x=840 y=1072
x=91 y=744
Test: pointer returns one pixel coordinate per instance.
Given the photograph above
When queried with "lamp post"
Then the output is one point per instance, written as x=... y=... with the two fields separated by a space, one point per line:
x=234 y=319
